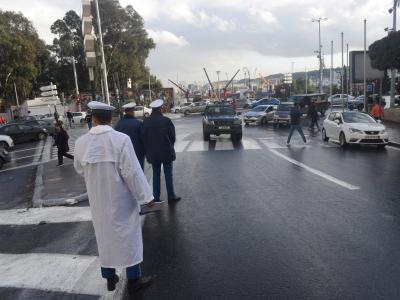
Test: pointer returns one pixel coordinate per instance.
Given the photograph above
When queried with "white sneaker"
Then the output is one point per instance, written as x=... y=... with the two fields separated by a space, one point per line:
x=287 y=144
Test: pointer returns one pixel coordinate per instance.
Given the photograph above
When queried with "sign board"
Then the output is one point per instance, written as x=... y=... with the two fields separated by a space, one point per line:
x=370 y=88
x=357 y=68
x=48 y=88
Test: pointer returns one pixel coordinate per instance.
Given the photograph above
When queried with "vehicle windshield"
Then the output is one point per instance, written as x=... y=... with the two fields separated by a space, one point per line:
x=285 y=107
x=259 y=108
x=355 y=117
x=220 y=110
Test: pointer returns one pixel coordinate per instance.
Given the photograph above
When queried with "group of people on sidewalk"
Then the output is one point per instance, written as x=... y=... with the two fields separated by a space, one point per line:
x=112 y=163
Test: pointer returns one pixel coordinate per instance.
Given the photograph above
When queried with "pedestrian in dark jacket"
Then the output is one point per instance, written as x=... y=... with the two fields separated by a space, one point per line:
x=295 y=123
x=313 y=114
x=70 y=118
x=159 y=140
x=88 y=119
x=61 y=141
x=133 y=128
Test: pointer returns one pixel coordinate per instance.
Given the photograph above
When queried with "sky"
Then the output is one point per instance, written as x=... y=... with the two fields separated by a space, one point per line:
x=264 y=37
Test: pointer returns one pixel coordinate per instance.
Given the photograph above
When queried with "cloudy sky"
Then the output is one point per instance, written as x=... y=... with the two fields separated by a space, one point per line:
x=228 y=35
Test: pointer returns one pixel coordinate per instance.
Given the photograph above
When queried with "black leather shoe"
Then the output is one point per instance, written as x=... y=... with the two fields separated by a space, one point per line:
x=175 y=199
x=143 y=282
x=111 y=282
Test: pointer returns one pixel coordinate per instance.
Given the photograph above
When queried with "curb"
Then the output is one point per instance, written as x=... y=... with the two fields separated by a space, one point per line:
x=394 y=144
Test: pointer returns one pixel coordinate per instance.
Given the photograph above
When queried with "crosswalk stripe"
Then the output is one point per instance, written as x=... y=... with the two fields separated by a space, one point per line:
x=224 y=145
x=197 y=146
x=181 y=145
x=75 y=274
x=272 y=145
x=249 y=144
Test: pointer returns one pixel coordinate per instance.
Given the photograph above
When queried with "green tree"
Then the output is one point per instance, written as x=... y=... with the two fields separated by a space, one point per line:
x=385 y=53
x=22 y=55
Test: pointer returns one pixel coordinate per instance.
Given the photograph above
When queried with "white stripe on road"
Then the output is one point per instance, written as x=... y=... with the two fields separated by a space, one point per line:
x=198 y=146
x=34 y=216
x=223 y=145
x=23 y=150
x=249 y=144
x=27 y=165
x=316 y=172
x=76 y=274
x=393 y=148
x=181 y=145
x=272 y=145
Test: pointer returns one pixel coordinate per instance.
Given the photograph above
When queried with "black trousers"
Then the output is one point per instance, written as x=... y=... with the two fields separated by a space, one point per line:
x=61 y=154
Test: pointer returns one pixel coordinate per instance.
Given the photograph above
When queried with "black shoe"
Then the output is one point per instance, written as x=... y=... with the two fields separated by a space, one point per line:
x=137 y=284
x=111 y=282
x=175 y=199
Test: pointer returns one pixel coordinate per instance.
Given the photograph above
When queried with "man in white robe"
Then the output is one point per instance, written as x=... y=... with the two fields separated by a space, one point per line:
x=116 y=188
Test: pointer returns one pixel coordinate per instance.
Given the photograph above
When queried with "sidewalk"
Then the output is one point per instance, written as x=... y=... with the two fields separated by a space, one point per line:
x=394 y=132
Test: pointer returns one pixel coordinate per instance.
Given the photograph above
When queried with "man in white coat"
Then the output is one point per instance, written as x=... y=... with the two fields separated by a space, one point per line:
x=116 y=188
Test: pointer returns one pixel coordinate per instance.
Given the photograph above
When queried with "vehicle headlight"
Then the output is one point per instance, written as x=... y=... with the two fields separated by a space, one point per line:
x=383 y=131
x=353 y=130
x=44 y=130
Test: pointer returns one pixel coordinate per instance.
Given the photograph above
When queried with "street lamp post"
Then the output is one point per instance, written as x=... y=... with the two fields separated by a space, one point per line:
x=320 y=52
x=365 y=64
x=331 y=72
x=219 y=90
x=393 y=73
x=76 y=82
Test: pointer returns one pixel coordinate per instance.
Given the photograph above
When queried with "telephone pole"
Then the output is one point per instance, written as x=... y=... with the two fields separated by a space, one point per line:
x=321 y=67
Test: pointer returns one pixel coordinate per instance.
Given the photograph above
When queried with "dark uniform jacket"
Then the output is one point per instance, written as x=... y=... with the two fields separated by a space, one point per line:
x=159 y=138
x=133 y=128
x=61 y=141
x=295 y=116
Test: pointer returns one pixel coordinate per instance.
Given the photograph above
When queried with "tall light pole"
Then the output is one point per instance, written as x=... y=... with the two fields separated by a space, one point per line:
x=219 y=90
x=306 y=81
x=342 y=77
x=331 y=72
x=103 y=60
x=393 y=73
x=347 y=70
x=320 y=52
x=365 y=64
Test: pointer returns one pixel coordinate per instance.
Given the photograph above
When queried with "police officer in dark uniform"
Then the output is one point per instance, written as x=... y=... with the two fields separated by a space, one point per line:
x=133 y=128
x=159 y=140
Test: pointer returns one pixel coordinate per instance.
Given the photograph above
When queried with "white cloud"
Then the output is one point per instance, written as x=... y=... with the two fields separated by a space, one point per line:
x=264 y=15
x=164 y=37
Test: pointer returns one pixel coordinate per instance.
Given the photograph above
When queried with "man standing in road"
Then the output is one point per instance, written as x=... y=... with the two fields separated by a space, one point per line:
x=159 y=140
x=295 y=123
x=61 y=141
x=133 y=128
x=69 y=117
x=116 y=187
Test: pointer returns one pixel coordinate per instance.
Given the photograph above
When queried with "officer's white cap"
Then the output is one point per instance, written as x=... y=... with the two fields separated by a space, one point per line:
x=96 y=105
x=129 y=105
x=156 y=103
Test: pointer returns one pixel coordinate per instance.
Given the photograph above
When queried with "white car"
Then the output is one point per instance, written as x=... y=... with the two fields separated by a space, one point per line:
x=6 y=142
x=177 y=109
x=339 y=99
x=260 y=115
x=352 y=127
x=142 y=111
x=79 y=117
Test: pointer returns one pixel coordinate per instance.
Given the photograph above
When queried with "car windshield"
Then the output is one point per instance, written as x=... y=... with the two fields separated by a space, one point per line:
x=259 y=108
x=220 y=110
x=285 y=107
x=355 y=117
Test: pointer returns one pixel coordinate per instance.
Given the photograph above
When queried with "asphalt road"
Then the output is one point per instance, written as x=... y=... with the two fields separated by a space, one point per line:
x=257 y=220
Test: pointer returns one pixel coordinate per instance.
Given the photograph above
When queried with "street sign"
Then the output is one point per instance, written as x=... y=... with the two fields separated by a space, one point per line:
x=48 y=88
x=48 y=93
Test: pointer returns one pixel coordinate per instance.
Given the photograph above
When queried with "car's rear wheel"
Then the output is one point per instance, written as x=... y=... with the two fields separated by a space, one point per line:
x=381 y=146
x=41 y=136
x=264 y=121
x=275 y=125
x=186 y=112
x=342 y=140
x=247 y=124
x=324 y=137
x=1 y=163
x=206 y=136
x=236 y=137
x=3 y=145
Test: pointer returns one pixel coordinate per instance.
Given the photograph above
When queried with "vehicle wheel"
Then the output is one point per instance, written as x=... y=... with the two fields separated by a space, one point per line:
x=186 y=113
x=382 y=146
x=275 y=125
x=263 y=122
x=146 y=115
x=247 y=124
x=41 y=136
x=206 y=136
x=342 y=140
x=82 y=121
x=3 y=145
x=1 y=163
x=324 y=137
x=236 y=137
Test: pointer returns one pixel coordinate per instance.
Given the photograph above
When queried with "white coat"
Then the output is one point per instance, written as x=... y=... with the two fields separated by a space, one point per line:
x=116 y=188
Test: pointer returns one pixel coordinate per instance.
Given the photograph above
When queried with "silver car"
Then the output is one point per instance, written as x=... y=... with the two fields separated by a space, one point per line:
x=195 y=107
x=260 y=115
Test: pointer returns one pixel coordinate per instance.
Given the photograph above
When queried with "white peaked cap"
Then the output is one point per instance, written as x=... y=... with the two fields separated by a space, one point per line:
x=156 y=103
x=96 y=105
x=129 y=105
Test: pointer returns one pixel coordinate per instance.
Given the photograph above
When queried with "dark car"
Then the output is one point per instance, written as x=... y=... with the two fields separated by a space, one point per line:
x=23 y=133
x=221 y=119
x=319 y=101
x=48 y=125
x=4 y=156
x=265 y=101
x=282 y=114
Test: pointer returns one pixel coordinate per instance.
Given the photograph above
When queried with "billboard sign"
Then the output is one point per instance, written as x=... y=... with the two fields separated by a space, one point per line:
x=357 y=68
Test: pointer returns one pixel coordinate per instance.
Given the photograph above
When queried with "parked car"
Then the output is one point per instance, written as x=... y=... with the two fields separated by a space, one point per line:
x=4 y=157
x=339 y=99
x=260 y=115
x=23 y=133
x=195 y=107
x=48 y=125
x=282 y=114
x=142 y=111
x=220 y=118
x=79 y=117
x=178 y=108
x=356 y=103
x=265 y=101
x=6 y=142
x=353 y=127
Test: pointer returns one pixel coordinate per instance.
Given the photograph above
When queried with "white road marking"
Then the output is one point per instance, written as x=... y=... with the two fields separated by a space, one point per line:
x=393 y=148
x=75 y=274
x=23 y=157
x=250 y=144
x=316 y=172
x=181 y=145
x=23 y=150
x=197 y=146
x=272 y=145
x=221 y=145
